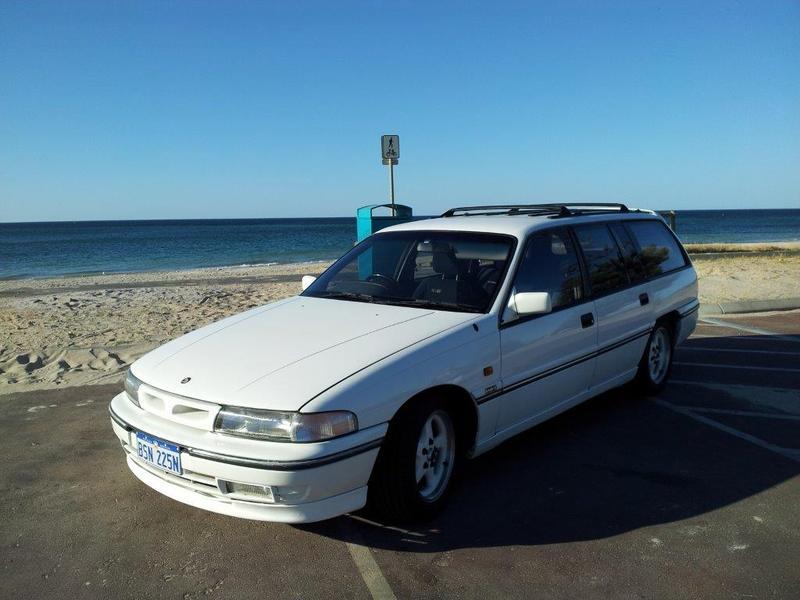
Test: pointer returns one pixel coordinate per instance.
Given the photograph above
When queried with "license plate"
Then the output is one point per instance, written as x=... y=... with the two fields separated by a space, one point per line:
x=158 y=453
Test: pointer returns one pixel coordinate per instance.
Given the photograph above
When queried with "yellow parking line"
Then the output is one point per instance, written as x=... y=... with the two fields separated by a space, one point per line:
x=370 y=571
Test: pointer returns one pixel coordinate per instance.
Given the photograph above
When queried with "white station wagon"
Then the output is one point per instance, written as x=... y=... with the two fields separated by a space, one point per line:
x=426 y=344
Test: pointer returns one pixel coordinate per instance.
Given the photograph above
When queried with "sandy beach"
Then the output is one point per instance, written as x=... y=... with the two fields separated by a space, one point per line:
x=86 y=330
x=737 y=272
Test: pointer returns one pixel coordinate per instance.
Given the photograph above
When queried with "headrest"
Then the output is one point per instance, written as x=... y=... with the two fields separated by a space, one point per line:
x=469 y=250
x=557 y=246
x=444 y=260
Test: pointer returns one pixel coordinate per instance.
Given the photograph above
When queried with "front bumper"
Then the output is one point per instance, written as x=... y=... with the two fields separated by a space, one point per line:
x=321 y=480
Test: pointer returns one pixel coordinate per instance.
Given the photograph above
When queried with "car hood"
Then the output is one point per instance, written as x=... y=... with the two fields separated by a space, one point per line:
x=281 y=355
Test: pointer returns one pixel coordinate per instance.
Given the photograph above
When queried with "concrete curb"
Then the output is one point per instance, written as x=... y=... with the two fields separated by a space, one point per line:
x=748 y=306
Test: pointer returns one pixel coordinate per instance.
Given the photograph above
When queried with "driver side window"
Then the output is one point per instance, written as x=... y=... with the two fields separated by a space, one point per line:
x=550 y=264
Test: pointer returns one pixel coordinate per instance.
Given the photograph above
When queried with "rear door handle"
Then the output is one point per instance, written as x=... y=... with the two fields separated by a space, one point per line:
x=644 y=299
x=587 y=320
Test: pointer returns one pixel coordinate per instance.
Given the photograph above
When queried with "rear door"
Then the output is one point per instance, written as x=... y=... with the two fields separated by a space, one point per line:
x=621 y=301
x=547 y=360
x=662 y=261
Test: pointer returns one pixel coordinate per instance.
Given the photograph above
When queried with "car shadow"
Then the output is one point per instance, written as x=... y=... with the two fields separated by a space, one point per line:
x=614 y=464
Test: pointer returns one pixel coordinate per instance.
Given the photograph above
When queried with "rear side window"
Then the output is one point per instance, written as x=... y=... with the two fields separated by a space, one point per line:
x=658 y=249
x=603 y=259
x=630 y=253
x=550 y=264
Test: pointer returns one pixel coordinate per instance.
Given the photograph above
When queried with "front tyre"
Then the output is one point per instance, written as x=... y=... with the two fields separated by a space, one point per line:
x=656 y=364
x=414 y=471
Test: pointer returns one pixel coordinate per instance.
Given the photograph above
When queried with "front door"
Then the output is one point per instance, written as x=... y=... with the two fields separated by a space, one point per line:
x=547 y=359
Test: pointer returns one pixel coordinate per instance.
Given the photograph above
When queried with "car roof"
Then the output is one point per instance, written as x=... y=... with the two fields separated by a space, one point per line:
x=518 y=225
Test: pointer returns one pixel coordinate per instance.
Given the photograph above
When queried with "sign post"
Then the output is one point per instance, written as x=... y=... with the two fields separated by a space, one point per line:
x=390 y=155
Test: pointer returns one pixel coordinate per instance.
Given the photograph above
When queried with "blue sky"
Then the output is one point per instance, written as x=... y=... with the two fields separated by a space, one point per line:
x=236 y=109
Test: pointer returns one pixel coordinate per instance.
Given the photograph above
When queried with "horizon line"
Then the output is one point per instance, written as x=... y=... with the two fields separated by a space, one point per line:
x=147 y=220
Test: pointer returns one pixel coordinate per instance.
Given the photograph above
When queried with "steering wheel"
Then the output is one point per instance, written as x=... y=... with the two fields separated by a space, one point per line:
x=383 y=280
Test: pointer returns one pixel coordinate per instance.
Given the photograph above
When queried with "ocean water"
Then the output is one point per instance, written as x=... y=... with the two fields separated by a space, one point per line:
x=707 y=226
x=72 y=248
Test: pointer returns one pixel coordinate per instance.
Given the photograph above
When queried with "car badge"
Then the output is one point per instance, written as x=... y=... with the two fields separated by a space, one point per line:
x=186 y=380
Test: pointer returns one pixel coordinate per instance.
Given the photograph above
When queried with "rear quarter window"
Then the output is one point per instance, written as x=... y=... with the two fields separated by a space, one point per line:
x=659 y=251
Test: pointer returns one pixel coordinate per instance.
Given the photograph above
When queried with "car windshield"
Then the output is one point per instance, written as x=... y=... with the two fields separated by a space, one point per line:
x=442 y=270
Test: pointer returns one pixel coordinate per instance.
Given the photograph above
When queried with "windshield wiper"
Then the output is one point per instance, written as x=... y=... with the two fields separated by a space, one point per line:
x=355 y=297
x=420 y=303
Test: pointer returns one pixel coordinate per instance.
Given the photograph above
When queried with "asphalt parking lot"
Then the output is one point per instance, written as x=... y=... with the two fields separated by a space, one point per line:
x=692 y=494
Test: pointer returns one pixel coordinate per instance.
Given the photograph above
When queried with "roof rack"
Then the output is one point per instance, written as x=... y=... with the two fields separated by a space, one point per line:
x=552 y=210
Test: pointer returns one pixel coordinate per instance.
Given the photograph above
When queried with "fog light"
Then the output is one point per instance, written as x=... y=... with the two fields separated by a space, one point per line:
x=290 y=494
x=260 y=492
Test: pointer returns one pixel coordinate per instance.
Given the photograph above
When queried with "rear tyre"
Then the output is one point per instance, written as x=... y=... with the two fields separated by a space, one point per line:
x=656 y=364
x=413 y=474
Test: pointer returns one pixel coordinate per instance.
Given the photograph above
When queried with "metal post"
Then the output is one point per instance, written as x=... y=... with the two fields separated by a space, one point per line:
x=391 y=186
x=671 y=218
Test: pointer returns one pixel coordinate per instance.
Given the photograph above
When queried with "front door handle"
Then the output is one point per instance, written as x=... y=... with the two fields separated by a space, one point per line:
x=587 y=320
x=644 y=299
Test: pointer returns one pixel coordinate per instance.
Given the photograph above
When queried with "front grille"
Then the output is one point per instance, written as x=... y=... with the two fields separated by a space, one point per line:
x=186 y=411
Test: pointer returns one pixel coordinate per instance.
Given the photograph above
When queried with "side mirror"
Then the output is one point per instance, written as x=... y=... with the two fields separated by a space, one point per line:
x=522 y=304
x=307 y=281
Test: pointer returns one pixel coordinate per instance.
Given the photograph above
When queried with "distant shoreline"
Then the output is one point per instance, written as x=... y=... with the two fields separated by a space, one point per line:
x=160 y=274
x=759 y=247
x=267 y=273
x=693 y=248
x=111 y=273
x=274 y=272
x=88 y=249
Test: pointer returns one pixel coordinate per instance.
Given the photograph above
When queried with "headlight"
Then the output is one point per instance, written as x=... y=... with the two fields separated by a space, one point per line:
x=284 y=426
x=132 y=387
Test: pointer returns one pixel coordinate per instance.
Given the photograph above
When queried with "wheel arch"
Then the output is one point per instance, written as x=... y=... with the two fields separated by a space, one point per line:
x=672 y=320
x=462 y=406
